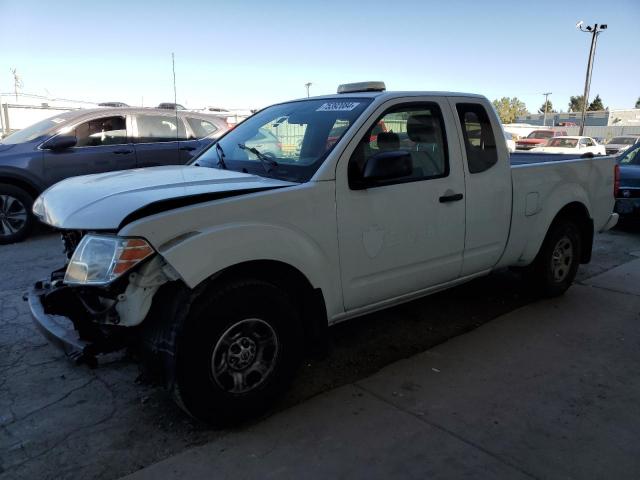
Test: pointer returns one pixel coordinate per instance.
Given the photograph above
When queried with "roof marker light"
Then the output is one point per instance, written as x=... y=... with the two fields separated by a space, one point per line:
x=362 y=87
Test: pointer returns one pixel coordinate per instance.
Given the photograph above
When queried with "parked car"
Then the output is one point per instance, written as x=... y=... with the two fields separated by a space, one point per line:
x=573 y=144
x=170 y=106
x=628 y=197
x=224 y=272
x=511 y=144
x=113 y=104
x=266 y=143
x=537 y=138
x=92 y=141
x=620 y=144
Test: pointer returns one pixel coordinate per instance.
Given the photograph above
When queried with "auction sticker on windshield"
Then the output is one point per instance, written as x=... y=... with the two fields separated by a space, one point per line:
x=337 y=107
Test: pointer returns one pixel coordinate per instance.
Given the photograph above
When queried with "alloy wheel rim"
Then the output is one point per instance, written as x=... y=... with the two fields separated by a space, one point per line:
x=245 y=356
x=13 y=215
x=561 y=259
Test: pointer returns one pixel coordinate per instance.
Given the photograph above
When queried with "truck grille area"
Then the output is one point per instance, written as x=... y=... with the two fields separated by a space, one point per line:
x=70 y=240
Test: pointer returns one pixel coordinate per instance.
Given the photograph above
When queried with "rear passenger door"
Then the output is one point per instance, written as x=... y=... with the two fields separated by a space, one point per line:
x=103 y=145
x=157 y=139
x=488 y=185
x=407 y=234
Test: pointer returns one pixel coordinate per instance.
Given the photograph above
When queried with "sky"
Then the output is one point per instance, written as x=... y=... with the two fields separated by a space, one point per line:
x=249 y=54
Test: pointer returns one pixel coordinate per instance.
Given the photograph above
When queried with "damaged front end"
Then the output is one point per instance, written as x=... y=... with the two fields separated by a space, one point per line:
x=98 y=300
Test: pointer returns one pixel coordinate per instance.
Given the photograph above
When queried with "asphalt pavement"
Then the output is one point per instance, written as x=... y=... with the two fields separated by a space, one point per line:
x=550 y=390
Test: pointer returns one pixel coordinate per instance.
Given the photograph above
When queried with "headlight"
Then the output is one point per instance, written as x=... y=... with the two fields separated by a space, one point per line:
x=100 y=259
x=38 y=208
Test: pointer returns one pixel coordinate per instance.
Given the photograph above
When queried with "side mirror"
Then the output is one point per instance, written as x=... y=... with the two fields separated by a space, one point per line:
x=60 y=142
x=385 y=166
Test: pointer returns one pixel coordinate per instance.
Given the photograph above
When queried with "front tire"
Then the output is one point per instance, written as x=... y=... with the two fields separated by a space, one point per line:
x=556 y=265
x=239 y=349
x=16 y=219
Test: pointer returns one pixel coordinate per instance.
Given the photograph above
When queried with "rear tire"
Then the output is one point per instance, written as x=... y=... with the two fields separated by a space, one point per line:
x=556 y=265
x=238 y=350
x=16 y=219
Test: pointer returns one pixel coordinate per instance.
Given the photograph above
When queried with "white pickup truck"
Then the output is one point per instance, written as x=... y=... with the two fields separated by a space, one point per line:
x=226 y=271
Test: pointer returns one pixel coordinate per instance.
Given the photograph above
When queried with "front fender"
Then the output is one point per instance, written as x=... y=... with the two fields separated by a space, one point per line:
x=197 y=257
x=295 y=226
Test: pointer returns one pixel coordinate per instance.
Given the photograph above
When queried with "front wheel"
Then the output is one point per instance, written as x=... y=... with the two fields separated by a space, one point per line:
x=239 y=348
x=16 y=218
x=556 y=265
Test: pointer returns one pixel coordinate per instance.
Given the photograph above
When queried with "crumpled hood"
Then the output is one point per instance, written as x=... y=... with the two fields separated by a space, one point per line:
x=104 y=200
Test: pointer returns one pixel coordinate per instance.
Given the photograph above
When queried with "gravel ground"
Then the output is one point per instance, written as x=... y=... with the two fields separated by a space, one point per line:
x=62 y=421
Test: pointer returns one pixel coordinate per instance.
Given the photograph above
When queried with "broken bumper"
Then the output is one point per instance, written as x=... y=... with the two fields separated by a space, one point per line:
x=59 y=314
x=56 y=329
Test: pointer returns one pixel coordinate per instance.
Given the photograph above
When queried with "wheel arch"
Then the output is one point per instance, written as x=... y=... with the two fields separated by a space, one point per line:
x=579 y=213
x=309 y=299
x=171 y=304
x=17 y=181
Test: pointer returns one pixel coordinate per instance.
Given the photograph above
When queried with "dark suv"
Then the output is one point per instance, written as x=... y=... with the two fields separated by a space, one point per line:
x=82 y=142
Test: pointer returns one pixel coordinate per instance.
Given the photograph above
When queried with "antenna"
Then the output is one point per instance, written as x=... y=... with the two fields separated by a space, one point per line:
x=175 y=95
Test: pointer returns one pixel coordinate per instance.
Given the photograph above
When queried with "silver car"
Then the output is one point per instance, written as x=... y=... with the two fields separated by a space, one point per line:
x=622 y=143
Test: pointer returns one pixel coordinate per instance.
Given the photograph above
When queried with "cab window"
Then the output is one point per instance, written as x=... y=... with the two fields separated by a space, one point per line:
x=479 y=140
x=416 y=129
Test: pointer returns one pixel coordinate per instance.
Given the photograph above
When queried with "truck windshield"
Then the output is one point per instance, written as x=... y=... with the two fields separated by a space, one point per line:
x=295 y=136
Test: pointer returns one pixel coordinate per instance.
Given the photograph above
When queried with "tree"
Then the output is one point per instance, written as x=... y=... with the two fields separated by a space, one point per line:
x=596 y=105
x=638 y=103
x=509 y=109
x=575 y=103
x=549 y=107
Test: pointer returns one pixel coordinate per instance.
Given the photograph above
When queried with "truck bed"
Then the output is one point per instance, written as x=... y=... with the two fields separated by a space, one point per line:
x=543 y=183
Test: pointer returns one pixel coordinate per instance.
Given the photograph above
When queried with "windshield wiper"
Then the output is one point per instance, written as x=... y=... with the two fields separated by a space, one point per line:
x=261 y=156
x=220 y=153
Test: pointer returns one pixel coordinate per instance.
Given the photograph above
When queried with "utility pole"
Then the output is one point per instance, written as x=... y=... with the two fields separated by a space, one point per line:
x=17 y=82
x=594 y=30
x=546 y=105
x=308 y=85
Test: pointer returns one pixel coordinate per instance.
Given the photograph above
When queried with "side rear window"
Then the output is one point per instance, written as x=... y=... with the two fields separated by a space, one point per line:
x=479 y=140
x=159 y=128
x=201 y=128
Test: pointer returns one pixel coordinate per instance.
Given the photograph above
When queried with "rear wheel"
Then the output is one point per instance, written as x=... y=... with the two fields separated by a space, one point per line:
x=238 y=351
x=556 y=265
x=16 y=218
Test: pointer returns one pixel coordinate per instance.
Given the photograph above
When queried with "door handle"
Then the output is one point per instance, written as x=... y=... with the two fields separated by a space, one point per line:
x=451 y=198
x=122 y=152
x=188 y=149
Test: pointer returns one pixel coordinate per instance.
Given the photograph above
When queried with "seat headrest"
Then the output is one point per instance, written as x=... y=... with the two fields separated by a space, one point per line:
x=388 y=141
x=422 y=129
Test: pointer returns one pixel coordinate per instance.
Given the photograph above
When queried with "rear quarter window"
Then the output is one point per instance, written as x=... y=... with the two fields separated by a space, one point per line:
x=479 y=139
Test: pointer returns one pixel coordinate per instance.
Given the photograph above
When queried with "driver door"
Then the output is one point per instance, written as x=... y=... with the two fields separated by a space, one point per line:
x=404 y=235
